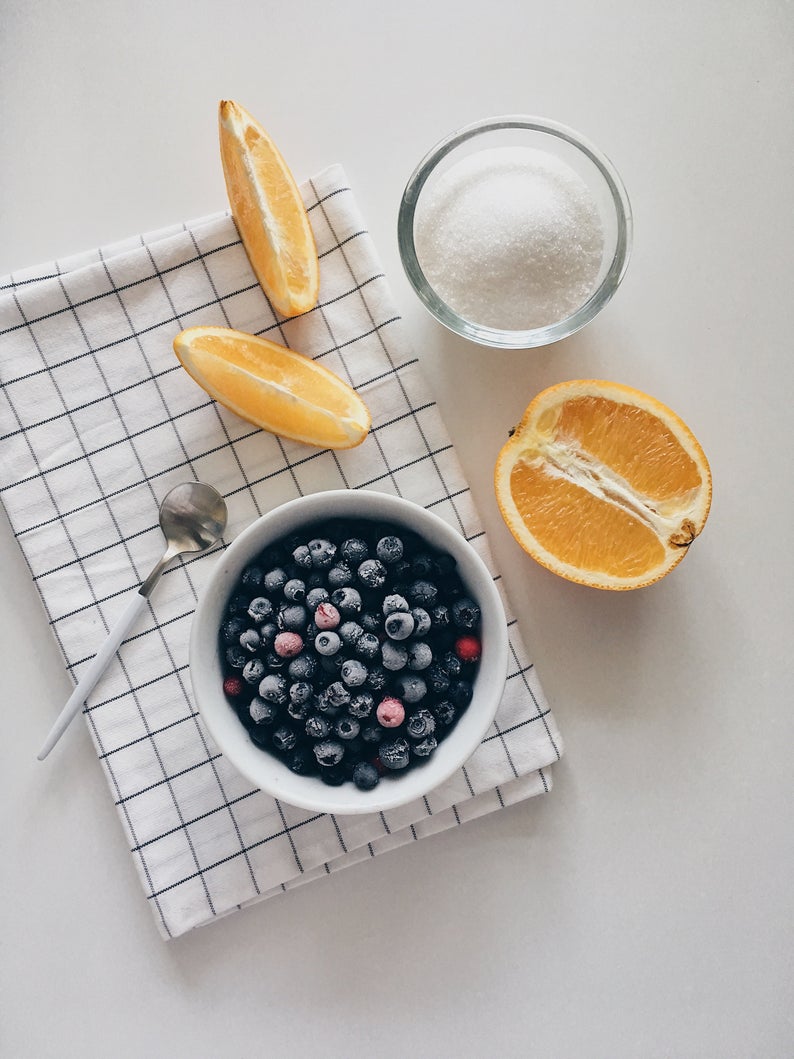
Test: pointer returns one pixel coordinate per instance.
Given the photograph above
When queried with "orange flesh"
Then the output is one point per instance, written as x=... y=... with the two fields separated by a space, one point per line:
x=634 y=443
x=580 y=528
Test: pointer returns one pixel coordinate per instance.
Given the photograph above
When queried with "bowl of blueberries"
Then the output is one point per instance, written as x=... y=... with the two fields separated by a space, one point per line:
x=349 y=652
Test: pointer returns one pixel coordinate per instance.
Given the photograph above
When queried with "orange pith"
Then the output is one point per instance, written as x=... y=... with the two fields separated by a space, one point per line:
x=273 y=387
x=603 y=485
x=269 y=212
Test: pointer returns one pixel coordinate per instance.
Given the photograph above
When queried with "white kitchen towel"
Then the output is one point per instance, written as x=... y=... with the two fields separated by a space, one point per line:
x=99 y=421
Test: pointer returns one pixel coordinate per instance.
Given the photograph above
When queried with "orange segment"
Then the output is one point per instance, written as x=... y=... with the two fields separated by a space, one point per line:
x=269 y=212
x=273 y=387
x=603 y=484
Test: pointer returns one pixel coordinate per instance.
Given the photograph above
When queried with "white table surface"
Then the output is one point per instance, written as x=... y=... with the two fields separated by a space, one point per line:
x=644 y=907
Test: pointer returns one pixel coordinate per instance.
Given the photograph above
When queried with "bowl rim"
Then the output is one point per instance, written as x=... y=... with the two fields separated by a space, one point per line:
x=204 y=659
x=493 y=336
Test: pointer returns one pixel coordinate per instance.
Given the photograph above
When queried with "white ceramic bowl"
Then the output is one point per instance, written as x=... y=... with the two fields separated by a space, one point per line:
x=265 y=770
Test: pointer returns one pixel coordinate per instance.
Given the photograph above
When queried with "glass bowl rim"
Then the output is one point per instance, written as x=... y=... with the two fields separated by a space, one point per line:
x=493 y=336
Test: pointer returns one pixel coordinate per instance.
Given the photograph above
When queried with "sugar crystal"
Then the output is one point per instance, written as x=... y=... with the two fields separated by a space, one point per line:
x=510 y=238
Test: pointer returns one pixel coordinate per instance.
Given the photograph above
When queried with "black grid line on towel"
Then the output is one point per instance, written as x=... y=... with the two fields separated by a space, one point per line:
x=114 y=412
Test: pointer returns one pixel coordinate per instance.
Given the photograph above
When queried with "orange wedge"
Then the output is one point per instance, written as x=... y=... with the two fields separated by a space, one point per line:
x=273 y=387
x=269 y=212
x=603 y=484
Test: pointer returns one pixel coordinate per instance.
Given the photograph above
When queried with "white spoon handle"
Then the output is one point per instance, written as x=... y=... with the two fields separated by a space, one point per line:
x=95 y=670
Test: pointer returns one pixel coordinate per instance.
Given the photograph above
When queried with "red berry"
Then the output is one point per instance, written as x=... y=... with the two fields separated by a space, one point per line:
x=468 y=648
x=233 y=687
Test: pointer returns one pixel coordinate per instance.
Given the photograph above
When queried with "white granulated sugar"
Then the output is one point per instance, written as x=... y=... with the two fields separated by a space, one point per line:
x=510 y=238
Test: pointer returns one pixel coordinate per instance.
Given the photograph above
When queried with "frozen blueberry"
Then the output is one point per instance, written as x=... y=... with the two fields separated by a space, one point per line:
x=262 y=736
x=284 y=738
x=324 y=705
x=347 y=727
x=236 y=657
x=372 y=621
x=389 y=549
x=299 y=711
x=377 y=678
x=361 y=704
x=451 y=664
x=317 y=596
x=301 y=761
x=317 y=727
x=354 y=673
x=262 y=712
x=337 y=694
x=231 y=629
x=394 y=753
x=372 y=573
x=333 y=776
x=260 y=609
x=394 y=656
x=465 y=613
x=302 y=557
x=422 y=621
x=293 y=617
x=340 y=575
x=253 y=671
x=398 y=625
x=329 y=752
x=423 y=565
x=268 y=633
x=327 y=643
x=350 y=632
x=275 y=580
x=420 y=655
x=322 y=552
x=460 y=691
x=273 y=688
x=444 y=712
x=354 y=551
x=365 y=776
x=420 y=723
x=303 y=667
x=441 y=616
x=372 y=733
x=422 y=593
x=300 y=692
x=436 y=679
x=425 y=747
x=347 y=600
x=250 y=641
x=295 y=590
x=394 y=602
x=411 y=688
x=368 y=645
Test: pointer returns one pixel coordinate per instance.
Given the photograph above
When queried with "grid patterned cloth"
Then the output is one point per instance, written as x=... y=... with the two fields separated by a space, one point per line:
x=99 y=421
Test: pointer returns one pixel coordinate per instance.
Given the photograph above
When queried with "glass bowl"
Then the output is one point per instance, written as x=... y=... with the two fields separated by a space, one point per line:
x=562 y=143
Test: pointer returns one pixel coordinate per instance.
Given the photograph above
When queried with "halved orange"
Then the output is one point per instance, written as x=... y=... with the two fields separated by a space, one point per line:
x=269 y=212
x=273 y=387
x=603 y=484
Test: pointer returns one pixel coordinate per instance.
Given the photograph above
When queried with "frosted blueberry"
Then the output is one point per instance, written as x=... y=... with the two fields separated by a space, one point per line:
x=327 y=643
x=372 y=573
x=354 y=550
x=322 y=552
x=394 y=656
x=354 y=673
x=420 y=655
x=273 y=688
x=275 y=580
x=347 y=600
x=262 y=712
x=365 y=776
x=399 y=625
x=347 y=728
x=250 y=641
x=394 y=753
x=284 y=738
x=329 y=752
x=260 y=609
x=394 y=602
x=295 y=590
x=411 y=688
x=254 y=671
x=389 y=549
x=422 y=621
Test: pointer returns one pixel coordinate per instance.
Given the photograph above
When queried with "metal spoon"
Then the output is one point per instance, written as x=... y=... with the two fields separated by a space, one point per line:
x=192 y=518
